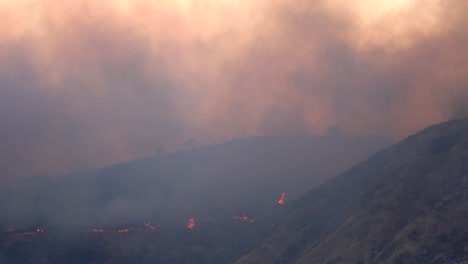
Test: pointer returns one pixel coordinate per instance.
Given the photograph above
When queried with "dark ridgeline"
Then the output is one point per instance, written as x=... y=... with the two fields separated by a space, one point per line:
x=406 y=204
x=221 y=186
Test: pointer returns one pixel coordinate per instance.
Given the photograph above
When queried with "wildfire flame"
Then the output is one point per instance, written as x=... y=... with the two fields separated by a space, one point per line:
x=244 y=218
x=191 y=223
x=149 y=226
x=281 y=201
x=37 y=231
x=126 y=229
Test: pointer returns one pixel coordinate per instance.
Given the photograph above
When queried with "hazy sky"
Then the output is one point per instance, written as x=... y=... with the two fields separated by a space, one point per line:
x=84 y=83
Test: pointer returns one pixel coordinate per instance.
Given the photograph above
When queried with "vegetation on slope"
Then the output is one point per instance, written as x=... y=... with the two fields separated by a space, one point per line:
x=406 y=204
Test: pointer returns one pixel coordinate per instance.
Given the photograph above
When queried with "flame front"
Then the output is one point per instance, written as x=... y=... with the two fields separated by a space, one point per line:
x=37 y=231
x=281 y=201
x=244 y=218
x=191 y=223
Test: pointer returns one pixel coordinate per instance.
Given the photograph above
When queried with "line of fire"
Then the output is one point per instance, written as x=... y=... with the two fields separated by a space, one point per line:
x=145 y=227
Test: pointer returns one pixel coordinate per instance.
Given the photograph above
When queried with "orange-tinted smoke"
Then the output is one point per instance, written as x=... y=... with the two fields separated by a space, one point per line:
x=87 y=83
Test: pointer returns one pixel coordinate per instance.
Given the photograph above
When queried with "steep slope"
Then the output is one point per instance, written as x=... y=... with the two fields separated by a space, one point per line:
x=406 y=204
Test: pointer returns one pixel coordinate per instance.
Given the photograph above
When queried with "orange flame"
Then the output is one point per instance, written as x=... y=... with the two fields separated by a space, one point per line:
x=191 y=223
x=281 y=201
x=244 y=218
x=37 y=231
x=123 y=230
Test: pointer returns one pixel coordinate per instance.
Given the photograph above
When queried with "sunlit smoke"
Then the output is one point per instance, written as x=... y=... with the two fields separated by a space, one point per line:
x=87 y=83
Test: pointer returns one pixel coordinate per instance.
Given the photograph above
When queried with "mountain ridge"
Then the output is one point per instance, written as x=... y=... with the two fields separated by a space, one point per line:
x=384 y=209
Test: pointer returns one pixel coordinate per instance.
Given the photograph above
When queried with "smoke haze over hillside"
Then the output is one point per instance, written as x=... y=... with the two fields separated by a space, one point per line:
x=86 y=83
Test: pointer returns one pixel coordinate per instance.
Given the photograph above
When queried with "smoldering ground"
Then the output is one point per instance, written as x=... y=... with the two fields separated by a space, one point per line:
x=218 y=182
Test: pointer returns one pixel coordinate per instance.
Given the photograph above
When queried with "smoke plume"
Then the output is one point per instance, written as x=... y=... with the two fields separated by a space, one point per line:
x=86 y=83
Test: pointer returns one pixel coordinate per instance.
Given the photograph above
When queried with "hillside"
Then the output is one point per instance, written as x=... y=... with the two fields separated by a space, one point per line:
x=406 y=204
x=228 y=189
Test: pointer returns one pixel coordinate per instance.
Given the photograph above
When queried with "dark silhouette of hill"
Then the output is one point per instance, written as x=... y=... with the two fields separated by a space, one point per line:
x=241 y=176
x=213 y=184
x=405 y=204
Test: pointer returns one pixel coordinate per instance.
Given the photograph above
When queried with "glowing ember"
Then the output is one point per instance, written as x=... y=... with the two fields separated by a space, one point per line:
x=191 y=223
x=149 y=226
x=123 y=230
x=281 y=201
x=244 y=218
x=37 y=231
x=9 y=229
